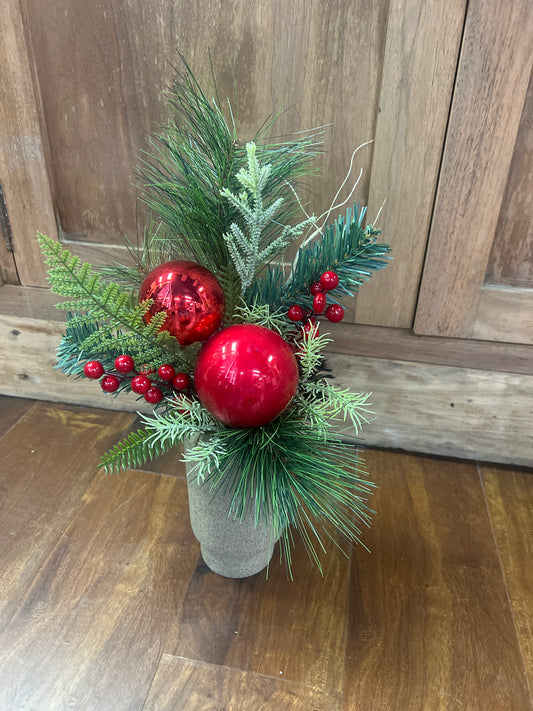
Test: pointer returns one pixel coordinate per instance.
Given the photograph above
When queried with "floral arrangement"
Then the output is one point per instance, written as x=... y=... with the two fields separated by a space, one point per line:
x=221 y=336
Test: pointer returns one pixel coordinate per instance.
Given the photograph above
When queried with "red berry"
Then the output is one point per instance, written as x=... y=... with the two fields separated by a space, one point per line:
x=335 y=313
x=166 y=372
x=93 y=369
x=124 y=364
x=295 y=313
x=110 y=383
x=153 y=395
x=310 y=326
x=319 y=303
x=329 y=280
x=181 y=381
x=140 y=384
x=316 y=288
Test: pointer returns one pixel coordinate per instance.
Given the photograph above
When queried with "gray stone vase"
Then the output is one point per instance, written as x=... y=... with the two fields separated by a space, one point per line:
x=233 y=549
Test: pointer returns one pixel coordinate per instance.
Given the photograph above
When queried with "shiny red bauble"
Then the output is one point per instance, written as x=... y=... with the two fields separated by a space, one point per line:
x=335 y=313
x=191 y=297
x=124 y=364
x=93 y=369
x=246 y=375
x=329 y=280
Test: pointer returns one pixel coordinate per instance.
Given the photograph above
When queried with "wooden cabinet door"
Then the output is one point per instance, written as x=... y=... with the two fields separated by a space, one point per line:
x=478 y=275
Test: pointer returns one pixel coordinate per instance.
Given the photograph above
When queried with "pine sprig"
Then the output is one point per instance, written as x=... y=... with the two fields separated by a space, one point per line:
x=107 y=303
x=249 y=249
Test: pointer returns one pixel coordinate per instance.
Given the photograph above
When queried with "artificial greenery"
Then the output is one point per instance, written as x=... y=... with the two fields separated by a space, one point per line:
x=234 y=208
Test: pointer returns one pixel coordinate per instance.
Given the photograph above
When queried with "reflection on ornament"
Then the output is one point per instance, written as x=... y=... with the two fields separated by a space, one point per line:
x=190 y=295
x=246 y=375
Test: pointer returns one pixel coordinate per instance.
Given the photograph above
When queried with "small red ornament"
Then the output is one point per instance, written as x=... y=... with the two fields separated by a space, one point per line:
x=335 y=313
x=181 y=381
x=140 y=384
x=246 y=375
x=166 y=372
x=124 y=364
x=110 y=383
x=319 y=303
x=153 y=395
x=329 y=280
x=316 y=288
x=191 y=297
x=295 y=313
x=93 y=369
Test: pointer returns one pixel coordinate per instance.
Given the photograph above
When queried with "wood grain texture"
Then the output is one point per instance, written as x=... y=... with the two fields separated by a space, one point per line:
x=46 y=462
x=196 y=686
x=11 y=410
x=421 y=51
x=452 y=411
x=355 y=339
x=491 y=85
x=22 y=153
x=429 y=621
x=511 y=257
x=509 y=495
x=505 y=314
x=89 y=629
x=99 y=98
x=238 y=623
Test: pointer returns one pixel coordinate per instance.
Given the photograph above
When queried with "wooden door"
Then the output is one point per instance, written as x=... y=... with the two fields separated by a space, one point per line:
x=478 y=276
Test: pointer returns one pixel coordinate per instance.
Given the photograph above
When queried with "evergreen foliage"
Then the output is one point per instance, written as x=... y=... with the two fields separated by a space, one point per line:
x=233 y=208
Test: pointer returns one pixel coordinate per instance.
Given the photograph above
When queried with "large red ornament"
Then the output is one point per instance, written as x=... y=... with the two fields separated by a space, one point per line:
x=190 y=295
x=246 y=375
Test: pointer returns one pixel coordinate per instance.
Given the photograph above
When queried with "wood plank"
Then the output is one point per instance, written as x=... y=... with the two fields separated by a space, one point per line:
x=349 y=338
x=274 y=627
x=46 y=462
x=423 y=42
x=89 y=629
x=511 y=258
x=509 y=495
x=492 y=81
x=11 y=410
x=196 y=686
x=22 y=151
x=403 y=344
x=505 y=314
x=120 y=87
x=449 y=411
x=429 y=621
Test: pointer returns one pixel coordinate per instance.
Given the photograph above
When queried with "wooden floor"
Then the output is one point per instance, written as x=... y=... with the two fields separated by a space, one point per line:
x=105 y=602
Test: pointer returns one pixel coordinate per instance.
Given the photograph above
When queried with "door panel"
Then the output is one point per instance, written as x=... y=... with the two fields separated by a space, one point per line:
x=489 y=100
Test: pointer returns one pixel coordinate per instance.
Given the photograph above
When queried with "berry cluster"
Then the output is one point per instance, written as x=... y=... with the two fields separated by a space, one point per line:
x=141 y=381
x=334 y=312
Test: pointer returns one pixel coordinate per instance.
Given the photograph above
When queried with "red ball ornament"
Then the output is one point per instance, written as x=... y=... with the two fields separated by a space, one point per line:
x=153 y=395
x=335 y=313
x=319 y=303
x=110 y=383
x=329 y=280
x=166 y=371
x=246 y=375
x=124 y=364
x=191 y=297
x=316 y=288
x=140 y=384
x=295 y=313
x=181 y=381
x=93 y=369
